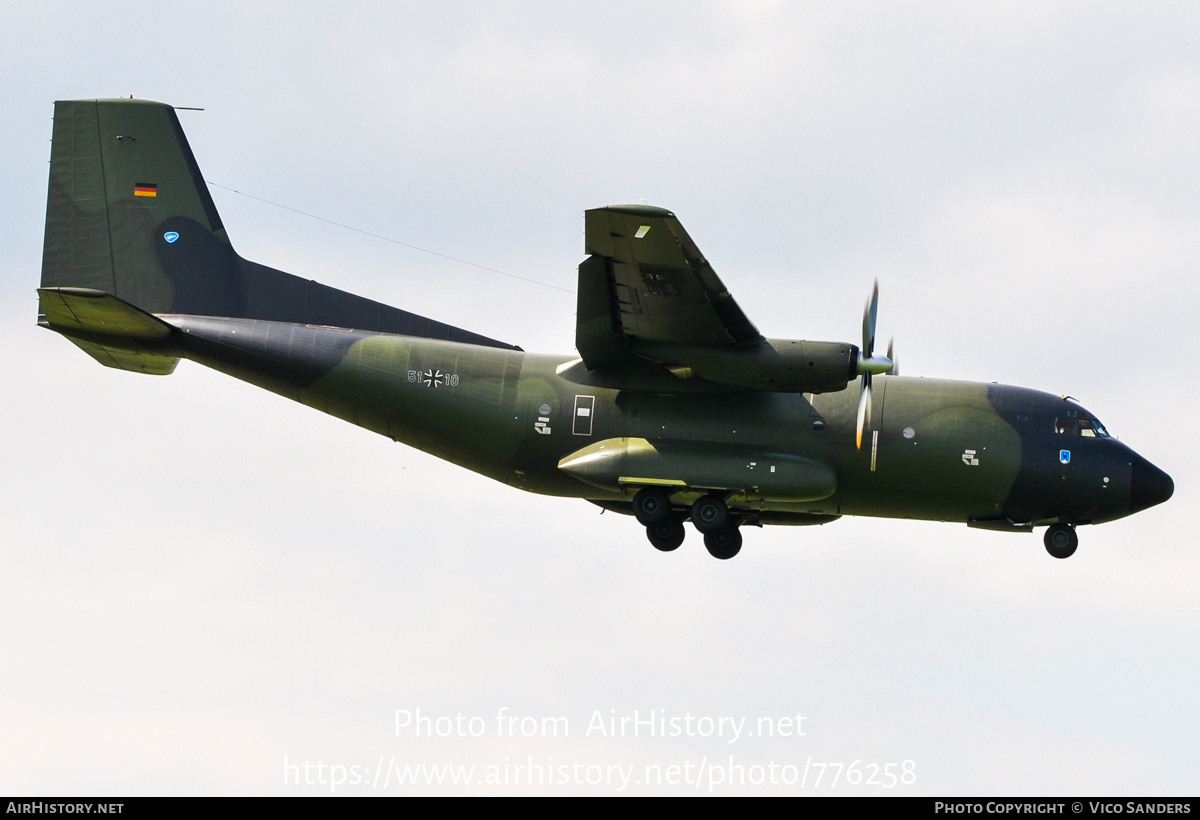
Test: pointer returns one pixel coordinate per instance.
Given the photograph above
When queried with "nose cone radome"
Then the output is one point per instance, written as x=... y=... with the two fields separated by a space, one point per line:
x=1148 y=485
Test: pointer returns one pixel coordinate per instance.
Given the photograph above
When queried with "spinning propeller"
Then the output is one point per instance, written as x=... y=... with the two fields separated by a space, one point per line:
x=869 y=364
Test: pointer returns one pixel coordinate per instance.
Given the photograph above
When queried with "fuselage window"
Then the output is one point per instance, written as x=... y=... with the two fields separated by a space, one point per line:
x=1074 y=426
x=1067 y=425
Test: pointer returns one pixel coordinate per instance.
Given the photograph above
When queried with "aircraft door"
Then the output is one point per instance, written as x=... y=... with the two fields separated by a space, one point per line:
x=585 y=407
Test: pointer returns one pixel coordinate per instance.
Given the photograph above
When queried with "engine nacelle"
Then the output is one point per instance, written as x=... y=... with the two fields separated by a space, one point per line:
x=776 y=365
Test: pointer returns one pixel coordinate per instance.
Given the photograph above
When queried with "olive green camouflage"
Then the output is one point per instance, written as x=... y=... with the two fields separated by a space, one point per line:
x=674 y=409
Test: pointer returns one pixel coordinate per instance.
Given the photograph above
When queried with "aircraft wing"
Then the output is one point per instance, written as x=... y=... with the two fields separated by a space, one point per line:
x=646 y=287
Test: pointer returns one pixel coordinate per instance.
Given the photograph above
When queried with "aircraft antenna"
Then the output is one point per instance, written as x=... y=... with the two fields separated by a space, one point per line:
x=387 y=238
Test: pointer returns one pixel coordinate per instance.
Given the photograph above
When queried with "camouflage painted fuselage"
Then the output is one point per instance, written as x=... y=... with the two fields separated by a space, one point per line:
x=674 y=392
x=941 y=450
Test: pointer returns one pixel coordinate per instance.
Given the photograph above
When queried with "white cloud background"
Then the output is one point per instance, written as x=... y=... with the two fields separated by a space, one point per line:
x=198 y=579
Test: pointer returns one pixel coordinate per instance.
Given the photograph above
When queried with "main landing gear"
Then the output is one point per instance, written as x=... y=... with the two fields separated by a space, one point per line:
x=664 y=527
x=721 y=536
x=724 y=543
x=666 y=535
x=710 y=515
x=1061 y=540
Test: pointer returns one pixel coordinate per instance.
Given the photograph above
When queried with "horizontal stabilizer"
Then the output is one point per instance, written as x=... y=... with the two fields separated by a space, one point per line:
x=111 y=331
x=94 y=311
x=135 y=361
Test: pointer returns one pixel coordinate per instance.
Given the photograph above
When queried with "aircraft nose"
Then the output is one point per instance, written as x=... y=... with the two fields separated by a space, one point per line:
x=1148 y=485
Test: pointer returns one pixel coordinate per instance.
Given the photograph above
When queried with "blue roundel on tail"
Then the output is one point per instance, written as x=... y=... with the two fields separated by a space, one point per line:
x=170 y=236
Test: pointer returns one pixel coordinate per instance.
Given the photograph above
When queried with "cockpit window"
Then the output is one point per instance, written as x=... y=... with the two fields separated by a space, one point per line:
x=1076 y=423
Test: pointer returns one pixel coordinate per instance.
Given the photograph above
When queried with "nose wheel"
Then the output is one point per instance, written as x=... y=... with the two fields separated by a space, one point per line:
x=1061 y=540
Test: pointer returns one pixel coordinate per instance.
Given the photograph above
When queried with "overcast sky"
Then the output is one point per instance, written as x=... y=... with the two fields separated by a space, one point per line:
x=202 y=584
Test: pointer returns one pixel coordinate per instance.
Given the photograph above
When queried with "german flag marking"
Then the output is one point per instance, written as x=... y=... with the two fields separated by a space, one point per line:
x=145 y=189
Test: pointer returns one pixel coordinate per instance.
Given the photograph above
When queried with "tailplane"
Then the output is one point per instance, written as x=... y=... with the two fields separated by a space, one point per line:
x=113 y=332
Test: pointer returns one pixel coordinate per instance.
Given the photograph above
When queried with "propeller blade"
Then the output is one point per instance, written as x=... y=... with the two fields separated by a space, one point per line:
x=869 y=363
x=869 y=314
x=895 y=371
x=864 y=408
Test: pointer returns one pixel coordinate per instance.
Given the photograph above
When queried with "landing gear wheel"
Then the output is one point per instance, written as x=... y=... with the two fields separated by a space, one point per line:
x=710 y=514
x=723 y=543
x=1061 y=540
x=666 y=535
x=651 y=506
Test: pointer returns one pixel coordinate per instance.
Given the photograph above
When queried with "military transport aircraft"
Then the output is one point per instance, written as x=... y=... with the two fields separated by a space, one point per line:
x=675 y=408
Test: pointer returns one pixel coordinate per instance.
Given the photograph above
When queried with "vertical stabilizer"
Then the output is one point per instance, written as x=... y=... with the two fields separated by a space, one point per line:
x=122 y=179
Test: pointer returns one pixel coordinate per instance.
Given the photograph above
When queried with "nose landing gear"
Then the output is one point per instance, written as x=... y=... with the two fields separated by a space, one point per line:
x=1061 y=540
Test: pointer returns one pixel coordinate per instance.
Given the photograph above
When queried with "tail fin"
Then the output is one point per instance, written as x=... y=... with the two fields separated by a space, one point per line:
x=122 y=178
x=128 y=214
